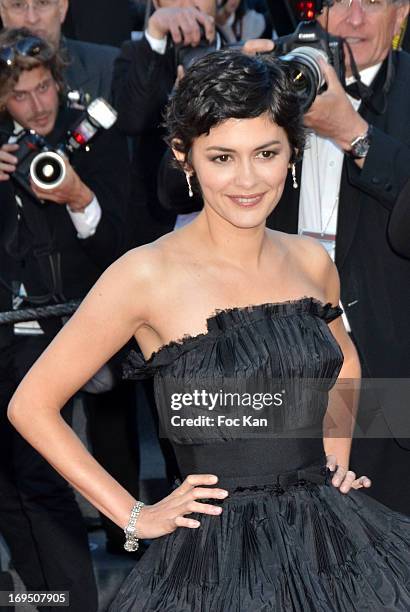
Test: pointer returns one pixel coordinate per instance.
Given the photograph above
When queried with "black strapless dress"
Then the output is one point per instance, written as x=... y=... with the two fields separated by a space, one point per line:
x=287 y=540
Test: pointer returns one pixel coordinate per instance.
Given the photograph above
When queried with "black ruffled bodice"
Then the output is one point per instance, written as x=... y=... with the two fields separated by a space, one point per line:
x=283 y=351
x=287 y=540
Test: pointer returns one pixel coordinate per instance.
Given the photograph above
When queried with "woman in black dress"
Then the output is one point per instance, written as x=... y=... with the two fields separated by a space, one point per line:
x=241 y=329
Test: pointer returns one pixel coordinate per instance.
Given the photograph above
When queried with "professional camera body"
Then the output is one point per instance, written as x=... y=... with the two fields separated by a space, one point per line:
x=45 y=164
x=302 y=50
x=306 y=45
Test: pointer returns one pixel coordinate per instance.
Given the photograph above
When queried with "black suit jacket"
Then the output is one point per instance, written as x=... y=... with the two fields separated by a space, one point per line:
x=98 y=21
x=399 y=226
x=142 y=82
x=90 y=67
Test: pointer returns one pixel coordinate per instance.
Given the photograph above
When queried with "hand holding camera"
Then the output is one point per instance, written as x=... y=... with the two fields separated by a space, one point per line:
x=8 y=161
x=71 y=191
x=258 y=45
x=332 y=114
x=182 y=24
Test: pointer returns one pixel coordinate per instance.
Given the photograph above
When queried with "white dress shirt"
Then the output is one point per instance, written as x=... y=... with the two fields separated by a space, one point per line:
x=159 y=45
x=87 y=220
x=320 y=183
x=321 y=175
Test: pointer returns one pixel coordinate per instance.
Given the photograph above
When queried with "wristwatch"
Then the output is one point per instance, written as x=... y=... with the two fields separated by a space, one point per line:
x=360 y=146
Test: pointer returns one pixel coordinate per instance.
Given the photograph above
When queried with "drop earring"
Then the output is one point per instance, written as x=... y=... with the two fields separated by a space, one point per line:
x=188 y=180
x=294 y=179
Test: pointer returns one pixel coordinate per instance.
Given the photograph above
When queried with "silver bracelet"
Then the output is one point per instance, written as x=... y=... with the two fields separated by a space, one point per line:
x=131 y=540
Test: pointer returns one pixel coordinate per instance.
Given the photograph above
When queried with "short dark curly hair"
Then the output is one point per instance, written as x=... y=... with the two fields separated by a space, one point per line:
x=231 y=85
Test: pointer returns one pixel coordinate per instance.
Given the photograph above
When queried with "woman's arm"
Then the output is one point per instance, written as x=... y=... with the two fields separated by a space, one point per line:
x=113 y=311
x=339 y=421
x=340 y=417
x=104 y=322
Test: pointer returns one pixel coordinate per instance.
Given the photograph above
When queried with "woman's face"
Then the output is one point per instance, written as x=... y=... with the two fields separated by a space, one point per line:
x=241 y=166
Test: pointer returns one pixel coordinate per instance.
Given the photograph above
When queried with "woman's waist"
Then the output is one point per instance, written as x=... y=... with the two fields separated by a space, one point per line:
x=252 y=462
x=277 y=483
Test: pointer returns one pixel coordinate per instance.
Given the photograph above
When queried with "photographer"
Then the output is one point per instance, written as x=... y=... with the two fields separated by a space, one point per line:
x=55 y=243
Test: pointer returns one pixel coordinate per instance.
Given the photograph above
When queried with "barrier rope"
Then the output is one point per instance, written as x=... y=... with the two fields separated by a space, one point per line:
x=41 y=312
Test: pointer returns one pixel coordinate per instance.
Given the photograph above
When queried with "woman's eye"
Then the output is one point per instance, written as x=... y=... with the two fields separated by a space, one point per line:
x=267 y=154
x=221 y=159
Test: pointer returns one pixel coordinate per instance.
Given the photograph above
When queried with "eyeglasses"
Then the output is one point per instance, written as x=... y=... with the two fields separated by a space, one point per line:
x=369 y=6
x=19 y=7
x=27 y=47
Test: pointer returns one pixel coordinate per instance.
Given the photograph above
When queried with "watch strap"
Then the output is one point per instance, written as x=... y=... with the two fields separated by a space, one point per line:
x=359 y=147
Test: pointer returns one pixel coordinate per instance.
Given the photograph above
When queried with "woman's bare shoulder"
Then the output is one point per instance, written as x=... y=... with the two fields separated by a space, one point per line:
x=304 y=249
x=310 y=257
x=141 y=262
x=150 y=265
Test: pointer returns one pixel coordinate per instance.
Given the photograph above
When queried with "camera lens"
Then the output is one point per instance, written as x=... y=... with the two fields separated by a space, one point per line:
x=305 y=73
x=47 y=170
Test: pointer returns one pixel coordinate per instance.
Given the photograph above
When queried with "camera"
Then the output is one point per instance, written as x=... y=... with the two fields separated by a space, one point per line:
x=305 y=46
x=44 y=164
x=186 y=55
x=302 y=51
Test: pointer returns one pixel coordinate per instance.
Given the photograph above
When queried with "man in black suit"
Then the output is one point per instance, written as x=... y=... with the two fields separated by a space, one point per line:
x=357 y=161
x=54 y=245
x=90 y=65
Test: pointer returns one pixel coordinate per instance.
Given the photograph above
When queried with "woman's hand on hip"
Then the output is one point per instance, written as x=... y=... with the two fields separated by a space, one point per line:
x=345 y=479
x=169 y=513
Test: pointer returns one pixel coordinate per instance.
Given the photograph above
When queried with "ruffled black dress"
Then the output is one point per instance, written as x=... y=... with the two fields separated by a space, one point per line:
x=287 y=540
